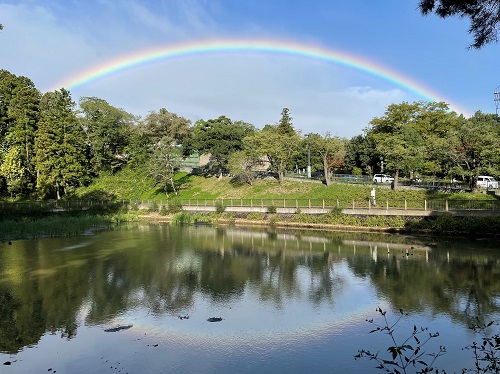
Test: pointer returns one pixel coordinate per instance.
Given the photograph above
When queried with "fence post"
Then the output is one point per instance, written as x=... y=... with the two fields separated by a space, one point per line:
x=323 y=203
x=446 y=205
x=406 y=205
x=296 y=203
x=353 y=204
x=369 y=204
x=338 y=203
x=309 y=203
x=425 y=204
x=387 y=204
x=284 y=203
x=261 y=203
x=241 y=202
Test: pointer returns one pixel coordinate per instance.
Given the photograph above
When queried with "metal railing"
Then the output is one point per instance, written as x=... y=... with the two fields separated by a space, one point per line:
x=437 y=205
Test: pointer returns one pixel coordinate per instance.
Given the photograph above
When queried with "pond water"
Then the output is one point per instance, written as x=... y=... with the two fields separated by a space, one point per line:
x=140 y=299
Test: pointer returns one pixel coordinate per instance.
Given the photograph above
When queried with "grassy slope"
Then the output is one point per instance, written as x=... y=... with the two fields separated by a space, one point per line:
x=135 y=184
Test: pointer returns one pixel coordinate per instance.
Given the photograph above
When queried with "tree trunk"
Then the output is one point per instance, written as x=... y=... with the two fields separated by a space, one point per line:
x=326 y=171
x=281 y=175
x=396 y=180
x=473 y=183
x=173 y=185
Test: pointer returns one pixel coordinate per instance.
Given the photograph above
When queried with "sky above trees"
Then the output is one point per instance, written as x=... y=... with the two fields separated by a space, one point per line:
x=53 y=40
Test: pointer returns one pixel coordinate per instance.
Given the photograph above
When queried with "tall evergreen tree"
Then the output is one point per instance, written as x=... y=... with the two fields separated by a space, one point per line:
x=19 y=102
x=59 y=145
x=285 y=126
x=8 y=82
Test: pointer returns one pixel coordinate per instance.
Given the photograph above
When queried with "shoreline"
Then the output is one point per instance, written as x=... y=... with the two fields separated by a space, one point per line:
x=321 y=226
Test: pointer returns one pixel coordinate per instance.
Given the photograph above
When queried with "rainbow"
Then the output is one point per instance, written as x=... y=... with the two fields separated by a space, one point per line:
x=148 y=56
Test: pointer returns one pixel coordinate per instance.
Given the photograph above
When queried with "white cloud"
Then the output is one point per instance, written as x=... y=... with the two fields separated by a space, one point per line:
x=47 y=44
x=249 y=87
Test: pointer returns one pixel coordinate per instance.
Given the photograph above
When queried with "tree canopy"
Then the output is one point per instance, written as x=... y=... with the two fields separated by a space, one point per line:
x=59 y=145
x=106 y=129
x=49 y=145
x=484 y=16
x=218 y=137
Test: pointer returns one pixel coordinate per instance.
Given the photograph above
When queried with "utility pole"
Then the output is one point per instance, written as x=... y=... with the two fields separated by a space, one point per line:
x=308 y=157
x=496 y=96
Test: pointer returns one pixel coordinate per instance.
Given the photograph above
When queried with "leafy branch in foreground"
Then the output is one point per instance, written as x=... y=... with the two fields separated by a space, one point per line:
x=403 y=355
x=486 y=353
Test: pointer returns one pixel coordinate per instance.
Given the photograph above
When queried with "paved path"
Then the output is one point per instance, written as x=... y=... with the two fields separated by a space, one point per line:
x=374 y=211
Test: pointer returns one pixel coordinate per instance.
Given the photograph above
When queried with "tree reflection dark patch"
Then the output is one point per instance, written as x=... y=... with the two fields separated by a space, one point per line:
x=119 y=328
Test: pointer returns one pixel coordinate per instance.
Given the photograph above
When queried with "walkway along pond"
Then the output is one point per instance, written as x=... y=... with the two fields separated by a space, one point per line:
x=285 y=206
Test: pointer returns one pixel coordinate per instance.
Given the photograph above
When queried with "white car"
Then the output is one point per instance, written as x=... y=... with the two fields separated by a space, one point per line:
x=382 y=178
x=486 y=181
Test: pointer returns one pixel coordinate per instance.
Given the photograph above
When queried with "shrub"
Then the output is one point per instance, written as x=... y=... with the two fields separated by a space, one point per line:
x=228 y=215
x=153 y=207
x=201 y=218
x=405 y=355
x=274 y=219
x=486 y=353
x=255 y=216
x=182 y=217
x=271 y=209
x=174 y=206
x=219 y=207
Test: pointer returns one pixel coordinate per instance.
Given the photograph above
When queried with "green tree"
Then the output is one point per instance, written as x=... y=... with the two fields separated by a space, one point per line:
x=332 y=152
x=8 y=83
x=59 y=145
x=23 y=110
x=18 y=120
x=107 y=134
x=218 y=137
x=242 y=165
x=278 y=148
x=473 y=147
x=397 y=140
x=13 y=171
x=435 y=123
x=164 y=162
x=161 y=124
x=285 y=126
x=361 y=154
x=484 y=16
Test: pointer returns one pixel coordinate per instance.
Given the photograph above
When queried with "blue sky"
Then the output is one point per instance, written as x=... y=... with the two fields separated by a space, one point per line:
x=49 y=41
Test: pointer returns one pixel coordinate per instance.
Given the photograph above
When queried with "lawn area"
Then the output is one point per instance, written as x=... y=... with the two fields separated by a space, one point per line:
x=197 y=187
x=131 y=184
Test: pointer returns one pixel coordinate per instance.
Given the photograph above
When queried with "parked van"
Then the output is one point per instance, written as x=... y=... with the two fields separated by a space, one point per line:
x=486 y=181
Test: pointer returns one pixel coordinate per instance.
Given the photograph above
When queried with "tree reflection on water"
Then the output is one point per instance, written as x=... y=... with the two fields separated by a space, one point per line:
x=45 y=284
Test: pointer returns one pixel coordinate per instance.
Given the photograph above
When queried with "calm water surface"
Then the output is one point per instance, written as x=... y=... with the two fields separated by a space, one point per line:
x=138 y=299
